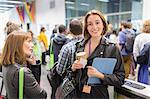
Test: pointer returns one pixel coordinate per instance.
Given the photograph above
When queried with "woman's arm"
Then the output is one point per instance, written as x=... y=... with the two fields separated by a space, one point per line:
x=136 y=49
x=118 y=76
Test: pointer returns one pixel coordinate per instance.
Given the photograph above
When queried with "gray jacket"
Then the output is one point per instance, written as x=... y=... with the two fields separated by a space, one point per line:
x=32 y=90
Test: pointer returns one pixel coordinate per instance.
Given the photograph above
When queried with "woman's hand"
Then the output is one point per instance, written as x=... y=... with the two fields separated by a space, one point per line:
x=31 y=60
x=76 y=65
x=93 y=72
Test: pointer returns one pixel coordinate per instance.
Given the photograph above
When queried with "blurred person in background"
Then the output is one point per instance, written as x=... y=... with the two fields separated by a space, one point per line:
x=36 y=47
x=122 y=39
x=75 y=29
x=113 y=37
x=109 y=31
x=44 y=44
x=36 y=68
x=64 y=61
x=10 y=27
x=59 y=40
x=54 y=33
x=140 y=40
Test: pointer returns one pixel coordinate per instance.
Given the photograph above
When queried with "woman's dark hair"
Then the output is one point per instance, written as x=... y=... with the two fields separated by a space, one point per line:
x=42 y=29
x=54 y=30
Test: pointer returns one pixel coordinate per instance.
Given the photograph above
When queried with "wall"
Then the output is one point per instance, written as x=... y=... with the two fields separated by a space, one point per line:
x=3 y=20
x=45 y=16
x=146 y=7
x=13 y=16
x=49 y=17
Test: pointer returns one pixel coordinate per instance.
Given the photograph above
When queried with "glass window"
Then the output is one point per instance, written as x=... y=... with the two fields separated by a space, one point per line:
x=114 y=20
x=115 y=10
x=113 y=6
x=125 y=5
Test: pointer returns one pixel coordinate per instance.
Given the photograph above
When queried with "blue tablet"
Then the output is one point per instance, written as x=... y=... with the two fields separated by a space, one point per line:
x=104 y=65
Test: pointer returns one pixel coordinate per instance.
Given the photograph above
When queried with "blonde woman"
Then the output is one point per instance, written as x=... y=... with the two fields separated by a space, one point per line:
x=139 y=42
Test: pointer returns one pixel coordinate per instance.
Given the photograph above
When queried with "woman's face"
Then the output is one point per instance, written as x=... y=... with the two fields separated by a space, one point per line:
x=94 y=25
x=30 y=35
x=28 y=47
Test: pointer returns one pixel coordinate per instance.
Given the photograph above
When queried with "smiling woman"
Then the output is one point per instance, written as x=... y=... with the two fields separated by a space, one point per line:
x=95 y=46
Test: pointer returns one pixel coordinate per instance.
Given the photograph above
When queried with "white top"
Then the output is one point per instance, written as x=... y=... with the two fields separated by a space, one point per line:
x=139 y=42
x=113 y=38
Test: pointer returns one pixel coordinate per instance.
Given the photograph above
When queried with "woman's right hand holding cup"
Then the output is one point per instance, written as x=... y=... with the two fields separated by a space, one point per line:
x=77 y=65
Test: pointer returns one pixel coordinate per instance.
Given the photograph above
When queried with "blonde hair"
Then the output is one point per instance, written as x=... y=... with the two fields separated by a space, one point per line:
x=10 y=27
x=13 y=49
x=146 y=26
x=94 y=12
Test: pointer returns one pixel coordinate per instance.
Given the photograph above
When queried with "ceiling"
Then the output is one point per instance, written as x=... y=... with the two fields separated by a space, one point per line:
x=6 y=5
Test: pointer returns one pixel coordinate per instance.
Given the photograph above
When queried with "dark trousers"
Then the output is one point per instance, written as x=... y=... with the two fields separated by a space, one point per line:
x=43 y=57
x=53 y=92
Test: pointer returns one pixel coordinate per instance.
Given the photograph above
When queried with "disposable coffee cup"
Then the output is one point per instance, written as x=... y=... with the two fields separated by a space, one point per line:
x=81 y=56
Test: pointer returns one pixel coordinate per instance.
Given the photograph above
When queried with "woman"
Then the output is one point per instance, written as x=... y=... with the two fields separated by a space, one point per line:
x=139 y=42
x=10 y=27
x=17 y=51
x=95 y=45
x=36 y=68
x=44 y=44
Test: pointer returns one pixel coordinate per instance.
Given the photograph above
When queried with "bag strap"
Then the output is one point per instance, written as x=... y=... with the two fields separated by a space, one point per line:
x=21 y=82
x=51 y=42
x=2 y=84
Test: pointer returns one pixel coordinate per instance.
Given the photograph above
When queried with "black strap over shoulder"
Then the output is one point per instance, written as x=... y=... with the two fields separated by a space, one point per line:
x=102 y=53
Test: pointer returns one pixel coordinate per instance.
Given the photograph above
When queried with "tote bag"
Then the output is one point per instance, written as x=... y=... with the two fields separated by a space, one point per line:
x=51 y=57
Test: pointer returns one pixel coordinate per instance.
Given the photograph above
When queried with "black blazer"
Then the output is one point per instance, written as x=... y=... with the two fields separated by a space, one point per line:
x=104 y=49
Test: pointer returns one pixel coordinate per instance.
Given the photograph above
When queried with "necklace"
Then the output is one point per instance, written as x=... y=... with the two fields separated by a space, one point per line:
x=89 y=48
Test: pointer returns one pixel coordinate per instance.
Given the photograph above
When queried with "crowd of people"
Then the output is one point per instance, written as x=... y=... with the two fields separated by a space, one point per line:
x=94 y=36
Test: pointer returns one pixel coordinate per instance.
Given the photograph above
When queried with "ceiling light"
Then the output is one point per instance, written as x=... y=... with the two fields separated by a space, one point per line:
x=71 y=7
x=84 y=4
x=104 y=0
x=4 y=8
x=69 y=2
x=14 y=2
x=1 y=11
x=5 y=5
